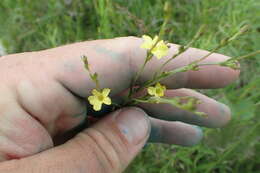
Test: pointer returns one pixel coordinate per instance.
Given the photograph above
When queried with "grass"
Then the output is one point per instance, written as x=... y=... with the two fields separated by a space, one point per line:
x=28 y=25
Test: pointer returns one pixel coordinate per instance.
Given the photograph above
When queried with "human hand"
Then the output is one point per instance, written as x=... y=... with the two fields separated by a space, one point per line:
x=42 y=97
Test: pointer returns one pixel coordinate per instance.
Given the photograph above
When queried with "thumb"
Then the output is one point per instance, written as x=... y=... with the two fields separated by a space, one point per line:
x=108 y=146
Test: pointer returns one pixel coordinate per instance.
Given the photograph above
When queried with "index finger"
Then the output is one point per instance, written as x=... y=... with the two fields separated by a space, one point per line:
x=117 y=61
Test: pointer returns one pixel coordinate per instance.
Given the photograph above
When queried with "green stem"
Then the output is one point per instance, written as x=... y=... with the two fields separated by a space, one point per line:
x=223 y=43
x=207 y=55
x=137 y=75
x=148 y=58
x=159 y=78
x=134 y=101
x=246 y=56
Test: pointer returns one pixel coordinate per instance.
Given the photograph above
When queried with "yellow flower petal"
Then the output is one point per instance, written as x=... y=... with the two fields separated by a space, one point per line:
x=95 y=92
x=147 y=38
x=97 y=106
x=158 y=85
x=105 y=92
x=151 y=90
x=147 y=44
x=92 y=100
x=155 y=39
x=107 y=101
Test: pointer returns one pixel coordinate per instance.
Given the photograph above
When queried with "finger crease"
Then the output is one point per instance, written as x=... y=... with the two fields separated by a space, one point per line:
x=113 y=164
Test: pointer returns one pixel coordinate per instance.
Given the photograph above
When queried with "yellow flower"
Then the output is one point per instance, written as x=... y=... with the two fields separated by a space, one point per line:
x=157 y=91
x=99 y=97
x=159 y=50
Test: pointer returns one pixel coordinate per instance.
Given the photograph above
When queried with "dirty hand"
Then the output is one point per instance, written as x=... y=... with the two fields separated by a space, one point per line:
x=43 y=97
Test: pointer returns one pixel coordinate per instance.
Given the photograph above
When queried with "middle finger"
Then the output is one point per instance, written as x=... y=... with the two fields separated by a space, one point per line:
x=218 y=114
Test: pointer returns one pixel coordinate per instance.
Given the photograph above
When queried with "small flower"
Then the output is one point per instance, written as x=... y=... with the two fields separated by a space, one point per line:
x=159 y=50
x=98 y=98
x=157 y=91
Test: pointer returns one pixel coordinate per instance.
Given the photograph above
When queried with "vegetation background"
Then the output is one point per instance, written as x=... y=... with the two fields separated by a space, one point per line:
x=28 y=25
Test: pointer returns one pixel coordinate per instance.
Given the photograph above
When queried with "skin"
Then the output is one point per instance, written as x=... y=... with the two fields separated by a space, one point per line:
x=42 y=99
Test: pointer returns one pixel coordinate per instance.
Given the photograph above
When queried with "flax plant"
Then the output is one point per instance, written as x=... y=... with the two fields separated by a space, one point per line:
x=158 y=48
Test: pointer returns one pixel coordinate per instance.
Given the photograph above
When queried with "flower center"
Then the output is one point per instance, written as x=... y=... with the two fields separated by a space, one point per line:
x=100 y=97
x=158 y=91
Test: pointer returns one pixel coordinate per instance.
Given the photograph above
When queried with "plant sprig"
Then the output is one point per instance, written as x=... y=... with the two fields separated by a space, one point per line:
x=156 y=47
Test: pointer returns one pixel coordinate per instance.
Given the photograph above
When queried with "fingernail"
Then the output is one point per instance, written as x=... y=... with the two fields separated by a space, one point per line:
x=224 y=115
x=224 y=109
x=133 y=124
x=198 y=137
